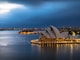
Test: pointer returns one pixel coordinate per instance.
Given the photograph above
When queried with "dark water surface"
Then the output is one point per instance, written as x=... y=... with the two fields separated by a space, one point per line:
x=18 y=47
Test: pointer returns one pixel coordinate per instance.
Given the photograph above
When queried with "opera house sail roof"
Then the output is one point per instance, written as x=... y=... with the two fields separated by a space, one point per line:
x=53 y=32
x=53 y=35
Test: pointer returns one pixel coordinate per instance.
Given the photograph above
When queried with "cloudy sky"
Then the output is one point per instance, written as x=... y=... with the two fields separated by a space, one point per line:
x=39 y=13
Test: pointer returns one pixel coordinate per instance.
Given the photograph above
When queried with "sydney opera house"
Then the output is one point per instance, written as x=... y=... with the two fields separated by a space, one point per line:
x=53 y=35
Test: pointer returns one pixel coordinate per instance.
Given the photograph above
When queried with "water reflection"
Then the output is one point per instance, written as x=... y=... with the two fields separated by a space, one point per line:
x=36 y=48
x=18 y=47
x=13 y=38
x=59 y=51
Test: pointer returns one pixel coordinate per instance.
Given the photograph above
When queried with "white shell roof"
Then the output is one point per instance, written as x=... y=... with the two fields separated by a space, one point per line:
x=53 y=32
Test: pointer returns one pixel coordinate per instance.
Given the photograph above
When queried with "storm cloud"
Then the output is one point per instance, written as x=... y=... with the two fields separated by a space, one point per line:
x=42 y=13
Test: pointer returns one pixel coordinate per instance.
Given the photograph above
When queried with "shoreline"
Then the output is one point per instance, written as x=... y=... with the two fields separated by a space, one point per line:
x=70 y=41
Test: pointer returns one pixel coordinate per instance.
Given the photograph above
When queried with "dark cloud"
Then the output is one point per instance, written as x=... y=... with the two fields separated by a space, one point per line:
x=39 y=1
x=59 y=14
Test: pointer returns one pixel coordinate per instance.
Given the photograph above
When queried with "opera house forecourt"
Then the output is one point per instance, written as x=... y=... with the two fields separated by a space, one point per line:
x=52 y=35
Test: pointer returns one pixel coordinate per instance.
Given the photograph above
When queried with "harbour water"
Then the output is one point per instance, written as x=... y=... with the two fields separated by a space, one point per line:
x=14 y=46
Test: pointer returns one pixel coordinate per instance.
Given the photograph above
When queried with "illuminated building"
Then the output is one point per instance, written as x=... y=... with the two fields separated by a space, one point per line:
x=53 y=35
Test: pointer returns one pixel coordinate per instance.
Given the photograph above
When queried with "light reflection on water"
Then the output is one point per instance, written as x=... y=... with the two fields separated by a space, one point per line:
x=18 y=47
x=61 y=51
x=13 y=38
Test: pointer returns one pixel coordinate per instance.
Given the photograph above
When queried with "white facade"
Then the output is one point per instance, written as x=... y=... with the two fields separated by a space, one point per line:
x=53 y=32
